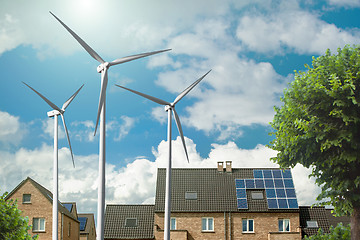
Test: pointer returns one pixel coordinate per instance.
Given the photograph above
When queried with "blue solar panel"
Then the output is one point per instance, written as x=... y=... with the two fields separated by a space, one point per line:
x=270 y=193
x=269 y=183
x=272 y=203
x=278 y=185
x=280 y=193
x=82 y=221
x=267 y=174
x=240 y=193
x=258 y=174
x=286 y=173
x=259 y=183
x=68 y=206
x=249 y=183
x=242 y=203
x=277 y=173
x=293 y=203
x=290 y=193
x=240 y=183
x=282 y=203
x=288 y=183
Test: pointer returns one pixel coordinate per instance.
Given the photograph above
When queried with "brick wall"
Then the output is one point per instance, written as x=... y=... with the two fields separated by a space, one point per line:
x=264 y=223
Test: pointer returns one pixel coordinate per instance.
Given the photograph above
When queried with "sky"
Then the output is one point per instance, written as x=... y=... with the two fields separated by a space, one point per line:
x=251 y=46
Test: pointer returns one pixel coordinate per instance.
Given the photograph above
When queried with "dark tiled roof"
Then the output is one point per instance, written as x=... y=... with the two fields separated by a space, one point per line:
x=216 y=191
x=46 y=193
x=116 y=215
x=316 y=213
x=334 y=221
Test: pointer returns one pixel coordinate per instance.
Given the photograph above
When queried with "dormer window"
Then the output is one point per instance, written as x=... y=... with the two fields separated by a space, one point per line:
x=191 y=195
x=26 y=198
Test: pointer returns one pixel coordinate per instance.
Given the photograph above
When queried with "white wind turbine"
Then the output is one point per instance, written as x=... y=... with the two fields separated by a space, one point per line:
x=55 y=113
x=103 y=68
x=169 y=107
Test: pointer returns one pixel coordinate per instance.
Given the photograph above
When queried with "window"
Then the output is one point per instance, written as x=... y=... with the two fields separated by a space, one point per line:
x=26 y=198
x=248 y=225
x=284 y=225
x=312 y=224
x=69 y=230
x=190 y=195
x=257 y=195
x=130 y=222
x=173 y=224
x=207 y=224
x=38 y=224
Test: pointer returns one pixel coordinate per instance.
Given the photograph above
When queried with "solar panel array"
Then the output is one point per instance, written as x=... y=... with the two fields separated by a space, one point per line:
x=278 y=185
x=82 y=221
x=68 y=206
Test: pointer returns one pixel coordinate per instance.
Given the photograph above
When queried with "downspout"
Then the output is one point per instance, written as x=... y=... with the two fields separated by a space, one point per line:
x=62 y=226
x=224 y=225
x=229 y=225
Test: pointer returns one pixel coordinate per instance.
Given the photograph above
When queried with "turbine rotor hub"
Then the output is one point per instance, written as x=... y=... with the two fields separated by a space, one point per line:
x=168 y=107
x=102 y=67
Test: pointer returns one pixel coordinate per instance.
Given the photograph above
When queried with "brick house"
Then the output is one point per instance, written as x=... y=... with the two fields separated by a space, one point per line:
x=35 y=202
x=215 y=203
x=87 y=226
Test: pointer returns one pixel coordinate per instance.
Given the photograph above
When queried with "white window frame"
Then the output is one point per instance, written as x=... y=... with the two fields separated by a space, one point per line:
x=37 y=223
x=248 y=221
x=312 y=224
x=208 y=225
x=25 y=201
x=172 y=223
x=257 y=195
x=282 y=225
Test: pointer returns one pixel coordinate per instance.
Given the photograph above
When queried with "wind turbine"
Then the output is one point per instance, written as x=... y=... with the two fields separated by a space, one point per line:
x=55 y=113
x=169 y=107
x=103 y=68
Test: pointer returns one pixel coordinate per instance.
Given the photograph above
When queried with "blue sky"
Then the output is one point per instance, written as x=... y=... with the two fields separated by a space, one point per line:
x=252 y=47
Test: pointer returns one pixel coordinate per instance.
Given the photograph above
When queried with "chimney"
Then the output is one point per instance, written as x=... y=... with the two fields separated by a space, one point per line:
x=228 y=167
x=220 y=166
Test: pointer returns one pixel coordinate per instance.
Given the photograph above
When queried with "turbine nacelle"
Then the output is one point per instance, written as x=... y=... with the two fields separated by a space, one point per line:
x=103 y=66
x=54 y=113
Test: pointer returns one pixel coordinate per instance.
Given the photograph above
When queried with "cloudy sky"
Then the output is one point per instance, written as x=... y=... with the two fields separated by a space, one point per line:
x=252 y=47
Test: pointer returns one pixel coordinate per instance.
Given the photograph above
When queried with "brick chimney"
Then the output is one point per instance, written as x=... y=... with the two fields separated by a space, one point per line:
x=220 y=166
x=228 y=167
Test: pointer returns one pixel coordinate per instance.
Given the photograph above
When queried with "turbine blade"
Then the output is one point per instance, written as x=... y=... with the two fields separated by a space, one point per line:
x=67 y=135
x=45 y=99
x=102 y=97
x=137 y=56
x=177 y=120
x=154 y=99
x=188 y=89
x=66 y=104
x=82 y=42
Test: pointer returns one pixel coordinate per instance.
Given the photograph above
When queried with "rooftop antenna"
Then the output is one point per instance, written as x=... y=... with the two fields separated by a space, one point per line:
x=103 y=69
x=54 y=114
x=170 y=108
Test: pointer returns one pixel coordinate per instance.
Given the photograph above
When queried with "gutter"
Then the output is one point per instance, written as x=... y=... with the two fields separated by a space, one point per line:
x=224 y=225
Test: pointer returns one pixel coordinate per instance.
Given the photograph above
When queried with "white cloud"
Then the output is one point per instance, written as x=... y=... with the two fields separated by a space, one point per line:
x=48 y=128
x=123 y=128
x=84 y=131
x=12 y=130
x=345 y=3
x=295 y=30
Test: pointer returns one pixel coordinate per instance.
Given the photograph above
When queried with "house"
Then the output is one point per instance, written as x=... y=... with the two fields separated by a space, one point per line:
x=35 y=202
x=215 y=203
x=87 y=226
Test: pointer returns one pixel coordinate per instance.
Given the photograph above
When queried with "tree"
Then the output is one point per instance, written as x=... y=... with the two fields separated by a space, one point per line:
x=12 y=225
x=318 y=126
x=340 y=232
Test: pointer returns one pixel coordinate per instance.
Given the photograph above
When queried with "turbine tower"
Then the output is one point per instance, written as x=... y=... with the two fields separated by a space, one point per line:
x=103 y=69
x=169 y=107
x=55 y=113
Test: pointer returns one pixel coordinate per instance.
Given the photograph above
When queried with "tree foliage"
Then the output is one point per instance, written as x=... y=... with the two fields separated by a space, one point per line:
x=12 y=225
x=318 y=126
x=340 y=232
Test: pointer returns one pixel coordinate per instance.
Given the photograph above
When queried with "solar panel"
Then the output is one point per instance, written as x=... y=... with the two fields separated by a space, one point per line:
x=82 y=221
x=278 y=185
x=68 y=206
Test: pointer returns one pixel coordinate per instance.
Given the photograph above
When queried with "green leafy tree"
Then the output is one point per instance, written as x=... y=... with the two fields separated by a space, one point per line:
x=318 y=126
x=340 y=232
x=12 y=225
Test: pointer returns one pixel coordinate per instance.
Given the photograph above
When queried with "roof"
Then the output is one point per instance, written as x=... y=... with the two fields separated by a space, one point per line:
x=116 y=215
x=88 y=220
x=216 y=191
x=315 y=213
x=46 y=193
x=334 y=221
